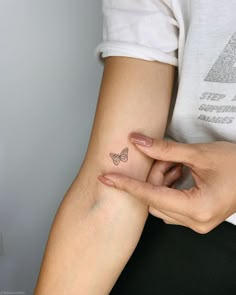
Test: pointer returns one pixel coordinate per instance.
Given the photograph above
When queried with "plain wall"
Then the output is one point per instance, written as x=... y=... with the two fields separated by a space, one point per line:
x=49 y=84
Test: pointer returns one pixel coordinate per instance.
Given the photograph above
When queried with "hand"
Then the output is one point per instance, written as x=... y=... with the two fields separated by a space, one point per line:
x=202 y=207
x=166 y=174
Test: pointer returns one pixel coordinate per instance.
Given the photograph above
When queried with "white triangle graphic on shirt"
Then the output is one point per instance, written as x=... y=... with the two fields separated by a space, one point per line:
x=224 y=70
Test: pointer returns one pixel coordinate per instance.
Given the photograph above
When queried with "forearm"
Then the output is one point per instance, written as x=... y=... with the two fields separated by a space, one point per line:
x=96 y=227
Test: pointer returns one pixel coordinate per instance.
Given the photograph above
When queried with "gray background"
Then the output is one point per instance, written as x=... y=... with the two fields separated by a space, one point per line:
x=49 y=83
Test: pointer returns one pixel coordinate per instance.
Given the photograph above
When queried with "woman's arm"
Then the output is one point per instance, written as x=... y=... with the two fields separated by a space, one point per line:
x=97 y=228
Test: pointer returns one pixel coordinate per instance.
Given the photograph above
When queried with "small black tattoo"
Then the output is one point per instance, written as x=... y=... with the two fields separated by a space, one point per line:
x=123 y=156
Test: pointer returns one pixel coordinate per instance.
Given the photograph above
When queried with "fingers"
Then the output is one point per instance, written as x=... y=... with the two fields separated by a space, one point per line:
x=143 y=191
x=173 y=175
x=158 y=171
x=166 y=150
x=156 y=196
x=164 y=173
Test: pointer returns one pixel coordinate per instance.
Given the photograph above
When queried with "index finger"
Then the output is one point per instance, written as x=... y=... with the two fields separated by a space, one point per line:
x=167 y=150
x=159 y=197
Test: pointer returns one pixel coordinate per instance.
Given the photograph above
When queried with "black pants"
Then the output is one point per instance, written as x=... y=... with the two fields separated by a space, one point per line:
x=174 y=260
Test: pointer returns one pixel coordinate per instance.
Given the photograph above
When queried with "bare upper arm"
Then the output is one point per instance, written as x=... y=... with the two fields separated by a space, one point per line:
x=134 y=97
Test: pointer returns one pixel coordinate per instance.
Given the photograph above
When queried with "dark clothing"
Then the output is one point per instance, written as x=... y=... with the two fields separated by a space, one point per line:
x=175 y=260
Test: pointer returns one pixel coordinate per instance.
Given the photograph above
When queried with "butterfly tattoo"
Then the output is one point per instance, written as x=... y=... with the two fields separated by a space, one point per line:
x=123 y=156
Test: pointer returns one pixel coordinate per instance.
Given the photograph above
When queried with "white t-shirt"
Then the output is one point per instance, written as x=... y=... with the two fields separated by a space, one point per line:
x=198 y=37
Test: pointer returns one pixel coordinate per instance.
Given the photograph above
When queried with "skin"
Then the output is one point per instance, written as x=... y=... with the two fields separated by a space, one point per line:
x=90 y=243
x=202 y=207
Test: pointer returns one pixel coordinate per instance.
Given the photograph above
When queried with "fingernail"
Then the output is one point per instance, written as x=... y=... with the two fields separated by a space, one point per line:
x=106 y=180
x=141 y=139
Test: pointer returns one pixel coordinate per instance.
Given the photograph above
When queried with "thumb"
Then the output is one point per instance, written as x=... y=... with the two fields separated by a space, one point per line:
x=167 y=150
x=159 y=197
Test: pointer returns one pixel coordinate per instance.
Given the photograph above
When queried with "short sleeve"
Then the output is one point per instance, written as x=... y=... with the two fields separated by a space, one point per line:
x=144 y=29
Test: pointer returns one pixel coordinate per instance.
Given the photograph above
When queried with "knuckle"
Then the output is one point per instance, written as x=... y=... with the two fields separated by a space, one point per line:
x=204 y=156
x=125 y=183
x=136 y=188
x=203 y=217
x=166 y=146
x=195 y=154
x=128 y=185
x=202 y=229
x=152 y=211
x=141 y=189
